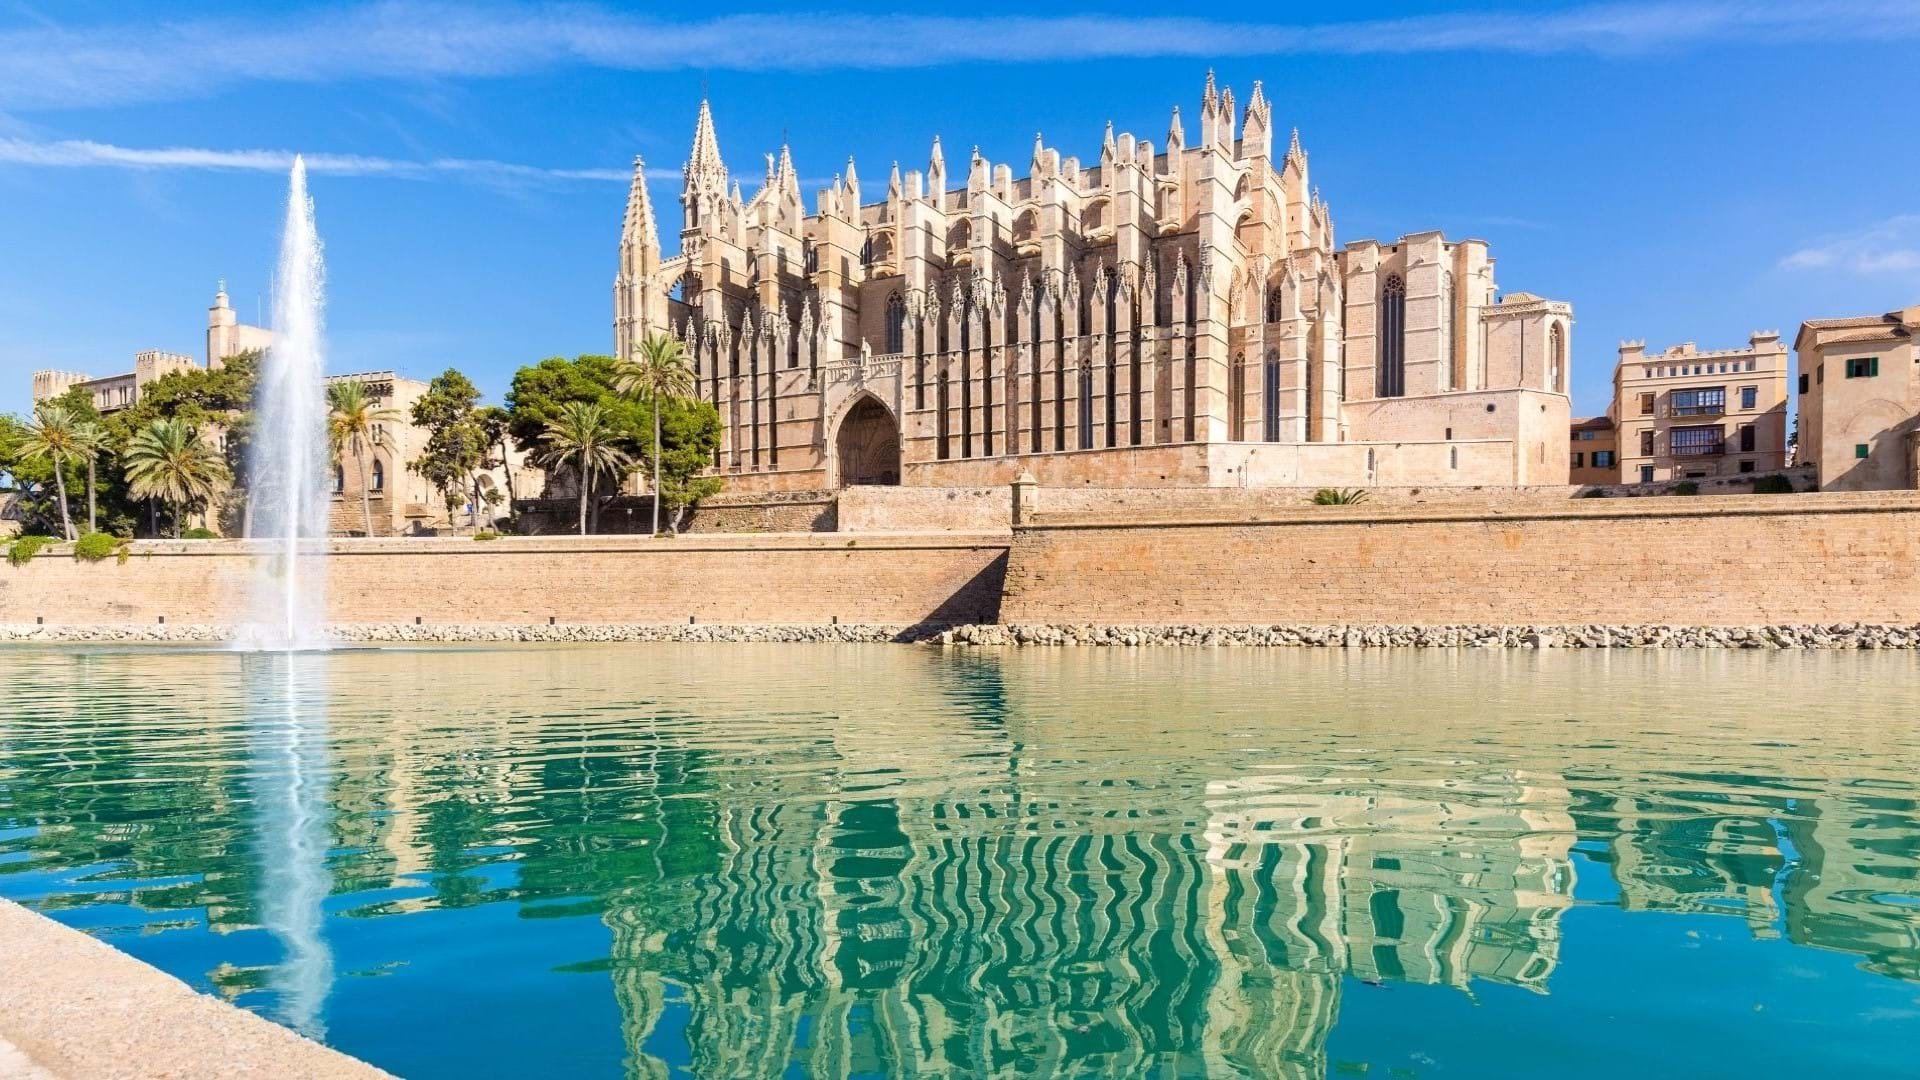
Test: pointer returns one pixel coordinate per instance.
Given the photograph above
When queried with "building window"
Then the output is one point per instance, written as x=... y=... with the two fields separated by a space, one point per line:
x=1273 y=304
x=1557 y=359
x=1586 y=436
x=896 y=324
x=1746 y=438
x=1803 y=383
x=378 y=482
x=1646 y=443
x=1863 y=367
x=1704 y=441
x=1603 y=459
x=1646 y=474
x=1860 y=450
x=1579 y=460
x=1820 y=374
x=1746 y=466
x=1711 y=401
x=1749 y=397
x=1390 y=379
x=1270 y=400
x=1646 y=404
x=339 y=479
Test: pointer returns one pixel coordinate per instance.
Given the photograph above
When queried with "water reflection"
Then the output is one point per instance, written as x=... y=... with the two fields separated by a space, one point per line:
x=847 y=861
x=286 y=696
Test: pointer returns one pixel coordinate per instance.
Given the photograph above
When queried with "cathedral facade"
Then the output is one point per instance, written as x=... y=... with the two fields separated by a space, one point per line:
x=1165 y=315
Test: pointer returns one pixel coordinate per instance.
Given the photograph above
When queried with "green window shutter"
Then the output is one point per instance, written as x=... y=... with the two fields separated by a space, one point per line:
x=1873 y=365
x=1860 y=450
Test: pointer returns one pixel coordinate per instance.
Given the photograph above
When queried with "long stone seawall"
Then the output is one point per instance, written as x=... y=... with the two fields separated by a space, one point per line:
x=798 y=579
x=1732 y=561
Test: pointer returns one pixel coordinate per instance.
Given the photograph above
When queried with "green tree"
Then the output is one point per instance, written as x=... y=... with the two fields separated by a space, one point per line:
x=207 y=399
x=456 y=449
x=495 y=422
x=586 y=438
x=55 y=435
x=353 y=425
x=90 y=441
x=690 y=435
x=689 y=429
x=657 y=374
x=168 y=461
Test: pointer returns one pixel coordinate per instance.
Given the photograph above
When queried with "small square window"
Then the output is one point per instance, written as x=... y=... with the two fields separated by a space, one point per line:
x=1860 y=450
x=1746 y=466
x=1803 y=383
x=1749 y=397
x=1863 y=367
x=1579 y=461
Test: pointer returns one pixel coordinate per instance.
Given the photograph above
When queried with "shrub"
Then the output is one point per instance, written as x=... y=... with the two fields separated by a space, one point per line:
x=1684 y=487
x=25 y=547
x=199 y=534
x=1774 y=484
x=96 y=546
x=1339 y=497
x=1594 y=493
x=486 y=534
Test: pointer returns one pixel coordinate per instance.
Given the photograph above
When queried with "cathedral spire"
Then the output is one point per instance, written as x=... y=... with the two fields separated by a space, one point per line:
x=853 y=186
x=1176 y=135
x=937 y=172
x=1209 y=98
x=1108 y=149
x=639 y=223
x=894 y=187
x=703 y=162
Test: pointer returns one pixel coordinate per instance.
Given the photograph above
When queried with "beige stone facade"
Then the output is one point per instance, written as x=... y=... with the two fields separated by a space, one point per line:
x=226 y=336
x=1177 y=314
x=1859 y=390
x=1595 y=453
x=1684 y=414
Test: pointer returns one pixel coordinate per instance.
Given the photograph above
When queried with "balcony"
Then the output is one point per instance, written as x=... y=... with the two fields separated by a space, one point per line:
x=1714 y=449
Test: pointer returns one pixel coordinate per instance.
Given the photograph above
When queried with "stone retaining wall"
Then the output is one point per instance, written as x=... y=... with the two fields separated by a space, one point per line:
x=1732 y=561
x=793 y=579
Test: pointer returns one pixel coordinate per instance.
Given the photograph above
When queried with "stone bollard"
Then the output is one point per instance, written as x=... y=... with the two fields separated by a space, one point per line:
x=1026 y=498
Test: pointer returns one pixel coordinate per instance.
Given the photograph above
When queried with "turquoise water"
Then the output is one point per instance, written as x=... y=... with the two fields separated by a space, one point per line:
x=793 y=860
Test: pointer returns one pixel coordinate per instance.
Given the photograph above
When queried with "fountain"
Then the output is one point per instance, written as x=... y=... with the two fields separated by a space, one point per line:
x=290 y=461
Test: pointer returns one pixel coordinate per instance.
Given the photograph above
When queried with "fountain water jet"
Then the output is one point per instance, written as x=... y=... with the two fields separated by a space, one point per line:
x=290 y=460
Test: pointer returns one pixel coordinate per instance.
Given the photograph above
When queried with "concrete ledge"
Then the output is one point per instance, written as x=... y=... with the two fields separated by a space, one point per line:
x=74 y=1008
x=530 y=633
x=1678 y=506
x=1806 y=636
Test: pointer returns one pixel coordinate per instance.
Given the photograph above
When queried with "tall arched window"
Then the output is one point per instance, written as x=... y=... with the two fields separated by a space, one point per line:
x=1273 y=304
x=339 y=479
x=378 y=482
x=896 y=324
x=1390 y=374
x=1557 y=359
x=1270 y=399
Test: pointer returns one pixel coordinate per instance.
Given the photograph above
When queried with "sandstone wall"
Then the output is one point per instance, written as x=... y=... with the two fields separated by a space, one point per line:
x=792 y=579
x=1822 y=558
x=727 y=512
x=924 y=509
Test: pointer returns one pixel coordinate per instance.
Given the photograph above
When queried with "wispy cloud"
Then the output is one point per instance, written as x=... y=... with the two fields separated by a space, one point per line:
x=70 y=65
x=1890 y=247
x=76 y=153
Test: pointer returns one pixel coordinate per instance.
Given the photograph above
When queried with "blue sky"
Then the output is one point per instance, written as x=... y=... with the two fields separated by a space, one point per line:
x=1678 y=170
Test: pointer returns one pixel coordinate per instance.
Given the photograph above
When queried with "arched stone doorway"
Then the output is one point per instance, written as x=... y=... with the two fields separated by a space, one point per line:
x=868 y=445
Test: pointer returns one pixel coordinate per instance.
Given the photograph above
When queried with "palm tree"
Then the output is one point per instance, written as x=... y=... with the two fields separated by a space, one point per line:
x=353 y=422
x=584 y=436
x=90 y=441
x=54 y=435
x=166 y=460
x=658 y=371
